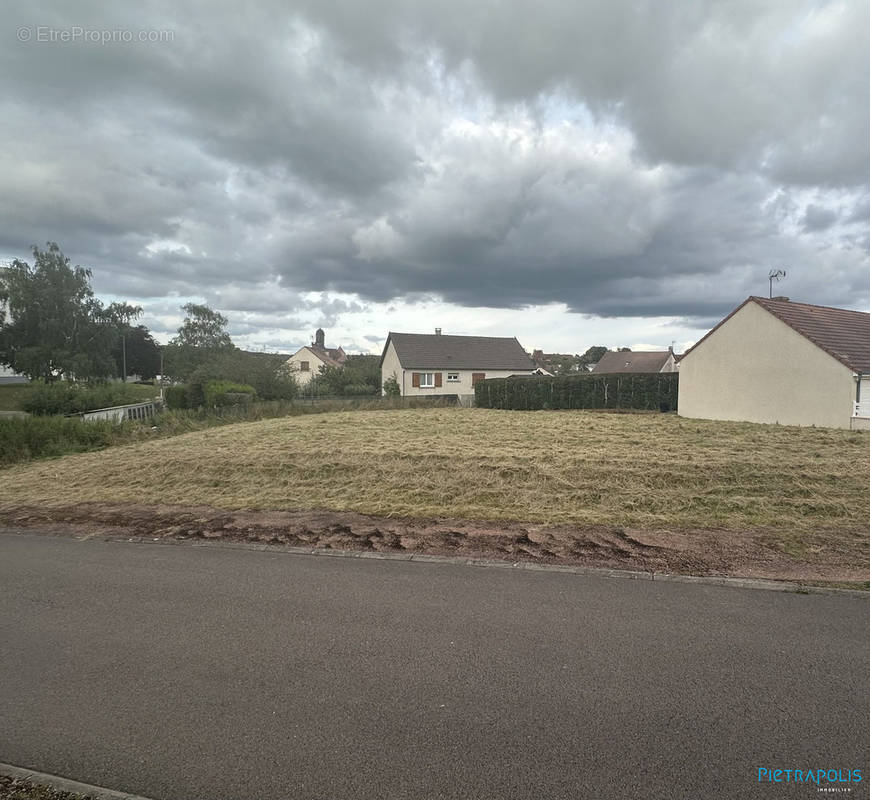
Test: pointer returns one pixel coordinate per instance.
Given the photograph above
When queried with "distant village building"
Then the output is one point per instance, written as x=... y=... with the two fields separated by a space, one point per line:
x=433 y=364
x=6 y=374
x=645 y=361
x=307 y=361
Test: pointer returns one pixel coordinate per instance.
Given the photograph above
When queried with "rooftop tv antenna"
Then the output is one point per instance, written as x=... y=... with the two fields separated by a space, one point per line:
x=775 y=275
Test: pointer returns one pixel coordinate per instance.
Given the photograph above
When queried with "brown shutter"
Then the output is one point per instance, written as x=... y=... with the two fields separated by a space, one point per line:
x=477 y=376
x=415 y=380
x=437 y=379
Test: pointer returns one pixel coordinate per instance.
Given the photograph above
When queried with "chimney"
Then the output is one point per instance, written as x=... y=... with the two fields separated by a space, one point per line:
x=784 y=299
x=320 y=338
x=437 y=331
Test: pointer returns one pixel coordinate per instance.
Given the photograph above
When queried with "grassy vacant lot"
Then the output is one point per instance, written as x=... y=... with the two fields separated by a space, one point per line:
x=648 y=471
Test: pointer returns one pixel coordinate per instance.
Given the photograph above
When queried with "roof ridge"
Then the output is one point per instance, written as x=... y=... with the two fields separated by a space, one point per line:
x=809 y=305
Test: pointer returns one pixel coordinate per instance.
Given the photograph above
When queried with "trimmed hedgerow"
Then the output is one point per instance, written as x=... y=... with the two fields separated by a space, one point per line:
x=67 y=397
x=655 y=392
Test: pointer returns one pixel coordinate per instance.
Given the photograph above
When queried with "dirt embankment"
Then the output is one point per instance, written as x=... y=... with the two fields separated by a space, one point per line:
x=696 y=552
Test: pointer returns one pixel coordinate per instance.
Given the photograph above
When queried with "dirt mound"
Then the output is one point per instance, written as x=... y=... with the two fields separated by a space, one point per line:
x=700 y=552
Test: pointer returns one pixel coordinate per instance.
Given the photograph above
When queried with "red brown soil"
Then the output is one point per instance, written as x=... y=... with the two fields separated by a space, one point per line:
x=696 y=552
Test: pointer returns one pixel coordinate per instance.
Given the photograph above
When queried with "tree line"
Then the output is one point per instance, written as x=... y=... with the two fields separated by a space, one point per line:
x=53 y=328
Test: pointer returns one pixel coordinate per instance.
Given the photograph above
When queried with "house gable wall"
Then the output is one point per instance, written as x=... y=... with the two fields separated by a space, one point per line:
x=314 y=364
x=755 y=368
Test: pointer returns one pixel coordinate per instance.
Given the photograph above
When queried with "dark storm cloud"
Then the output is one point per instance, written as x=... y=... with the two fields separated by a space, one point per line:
x=628 y=158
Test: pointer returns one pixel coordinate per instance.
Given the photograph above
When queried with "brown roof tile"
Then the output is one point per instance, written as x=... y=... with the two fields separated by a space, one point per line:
x=642 y=361
x=841 y=333
x=333 y=356
x=442 y=351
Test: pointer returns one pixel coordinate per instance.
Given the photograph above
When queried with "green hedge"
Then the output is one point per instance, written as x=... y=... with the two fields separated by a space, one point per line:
x=208 y=394
x=226 y=393
x=657 y=391
x=67 y=397
x=175 y=397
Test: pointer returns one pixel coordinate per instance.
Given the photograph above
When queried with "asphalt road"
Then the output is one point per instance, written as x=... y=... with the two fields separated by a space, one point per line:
x=206 y=672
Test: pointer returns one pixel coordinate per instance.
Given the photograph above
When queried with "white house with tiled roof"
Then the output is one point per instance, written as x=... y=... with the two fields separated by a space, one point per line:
x=433 y=364
x=307 y=361
x=642 y=361
x=775 y=361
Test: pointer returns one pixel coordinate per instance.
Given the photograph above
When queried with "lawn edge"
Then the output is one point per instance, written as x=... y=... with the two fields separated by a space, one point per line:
x=736 y=582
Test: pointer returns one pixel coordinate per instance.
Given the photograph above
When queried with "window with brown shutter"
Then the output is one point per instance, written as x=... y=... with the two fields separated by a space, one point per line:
x=437 y=379
x=477 y=376
x=415 y=380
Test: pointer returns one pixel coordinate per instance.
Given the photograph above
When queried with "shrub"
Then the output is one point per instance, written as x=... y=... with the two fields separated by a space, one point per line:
x=175 y=397
x=266 y=373
x=359 y=389
x=25 y=438
x=657 y=391
x=217 y=394
x=68 y=397
x=391 y=386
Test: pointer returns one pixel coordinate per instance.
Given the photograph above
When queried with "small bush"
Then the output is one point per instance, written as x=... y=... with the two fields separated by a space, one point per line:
x=359 y=389
x=217 y=394
x=175 y=397
x=391 y=387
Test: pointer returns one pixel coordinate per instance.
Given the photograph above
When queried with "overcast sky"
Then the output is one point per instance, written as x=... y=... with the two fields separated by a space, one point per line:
x=571 y=172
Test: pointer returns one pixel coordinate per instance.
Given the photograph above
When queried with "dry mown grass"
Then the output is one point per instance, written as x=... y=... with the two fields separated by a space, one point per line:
x=581 y=468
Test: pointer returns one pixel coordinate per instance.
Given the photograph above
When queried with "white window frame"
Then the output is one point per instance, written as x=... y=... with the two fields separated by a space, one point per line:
x=452 y=377
x=427 y=380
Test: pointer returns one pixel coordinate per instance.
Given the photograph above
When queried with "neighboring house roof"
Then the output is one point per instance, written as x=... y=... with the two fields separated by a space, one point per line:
x=332 y=356
x=628 y=361
x=842 y=334
x=441 y=351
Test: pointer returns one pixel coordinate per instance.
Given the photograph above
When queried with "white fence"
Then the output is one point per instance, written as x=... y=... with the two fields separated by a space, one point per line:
x=122 y=413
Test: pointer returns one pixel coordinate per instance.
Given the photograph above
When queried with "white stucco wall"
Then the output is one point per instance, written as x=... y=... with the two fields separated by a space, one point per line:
x=391 y=365
x=8 y=376
x=755 y=368
x=314 y=364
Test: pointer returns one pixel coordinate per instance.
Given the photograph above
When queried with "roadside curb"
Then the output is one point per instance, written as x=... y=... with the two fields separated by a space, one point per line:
x=65 y=784
x=424 y=558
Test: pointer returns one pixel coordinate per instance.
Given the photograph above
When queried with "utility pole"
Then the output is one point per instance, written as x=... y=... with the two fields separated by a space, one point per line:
x=124 y=352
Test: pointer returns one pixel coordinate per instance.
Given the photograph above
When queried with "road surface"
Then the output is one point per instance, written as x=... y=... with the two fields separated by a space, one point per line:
x=208 y=672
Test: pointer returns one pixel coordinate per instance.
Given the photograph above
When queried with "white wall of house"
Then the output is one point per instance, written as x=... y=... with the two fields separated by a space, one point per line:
x=755 y=368
x=463 y=383
x=298 y=360
x=8 y=376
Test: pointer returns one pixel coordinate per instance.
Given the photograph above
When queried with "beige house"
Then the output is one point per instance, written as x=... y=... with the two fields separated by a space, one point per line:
x=627 y=361
x=780 y=362
x=433 y=364
x=307 y=361
x=6 y=373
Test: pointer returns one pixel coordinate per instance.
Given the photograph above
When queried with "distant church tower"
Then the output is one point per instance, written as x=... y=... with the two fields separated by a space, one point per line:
x=320 y=338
